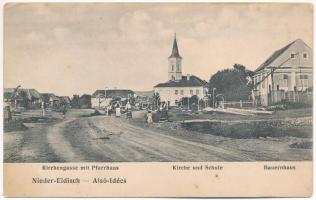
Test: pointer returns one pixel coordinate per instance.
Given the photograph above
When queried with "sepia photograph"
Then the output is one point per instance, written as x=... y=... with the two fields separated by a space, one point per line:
x=157 y=82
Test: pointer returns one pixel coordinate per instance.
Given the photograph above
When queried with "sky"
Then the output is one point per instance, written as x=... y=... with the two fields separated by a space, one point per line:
x=77 y=48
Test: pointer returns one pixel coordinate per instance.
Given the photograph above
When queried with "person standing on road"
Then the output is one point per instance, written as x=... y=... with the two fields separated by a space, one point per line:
x=128 y=108
x=149 y=117
x=43 y=106
x=117 y=110
x=64 y=110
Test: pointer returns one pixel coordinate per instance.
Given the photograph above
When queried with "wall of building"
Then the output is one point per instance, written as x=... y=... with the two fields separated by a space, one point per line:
x=295 y=73
x=173 y=94
x=96 y=103
x=175 y=69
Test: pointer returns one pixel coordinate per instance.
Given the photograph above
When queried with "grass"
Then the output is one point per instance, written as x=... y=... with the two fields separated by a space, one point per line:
x=177 y=115
x=279 y=124
x=14 y=125
x=243 y=130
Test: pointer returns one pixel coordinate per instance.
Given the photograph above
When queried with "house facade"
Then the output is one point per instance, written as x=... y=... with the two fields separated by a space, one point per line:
x=179 y=86
x=102 y=98
x=285 y=74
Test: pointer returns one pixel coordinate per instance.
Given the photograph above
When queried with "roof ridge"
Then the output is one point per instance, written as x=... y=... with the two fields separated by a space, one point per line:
x=276 y=54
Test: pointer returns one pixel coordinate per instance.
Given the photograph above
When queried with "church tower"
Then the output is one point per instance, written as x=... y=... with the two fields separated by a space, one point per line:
x=175 y=63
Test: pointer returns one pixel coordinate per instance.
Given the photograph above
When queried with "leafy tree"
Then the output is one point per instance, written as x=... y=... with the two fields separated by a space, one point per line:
x=156 y=102
x=193 y=100
x=75 y=101
x=232 y=83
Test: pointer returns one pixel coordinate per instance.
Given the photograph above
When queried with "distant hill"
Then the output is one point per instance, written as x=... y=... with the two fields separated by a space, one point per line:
x=145 y=93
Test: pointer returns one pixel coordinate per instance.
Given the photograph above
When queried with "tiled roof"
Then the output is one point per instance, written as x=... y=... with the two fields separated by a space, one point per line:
x=118 y=93
x=193 y=81
x=22 y=93
x=97 y=93
x=113 y=93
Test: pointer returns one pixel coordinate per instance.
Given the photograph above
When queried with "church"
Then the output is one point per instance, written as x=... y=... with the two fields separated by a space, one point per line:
x=179 y=86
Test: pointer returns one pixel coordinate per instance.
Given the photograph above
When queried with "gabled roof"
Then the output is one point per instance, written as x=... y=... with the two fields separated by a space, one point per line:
x=175 y=50
x=22 y=93
x=97 y=93
x=193 y=81
x=113 y=93
x=118 y=93
x=275 y=55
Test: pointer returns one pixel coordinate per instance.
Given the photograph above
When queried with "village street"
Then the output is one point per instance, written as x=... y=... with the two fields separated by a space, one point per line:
x=79 y=138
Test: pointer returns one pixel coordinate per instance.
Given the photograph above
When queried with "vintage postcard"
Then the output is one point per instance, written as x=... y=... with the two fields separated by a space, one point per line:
x=158 y=99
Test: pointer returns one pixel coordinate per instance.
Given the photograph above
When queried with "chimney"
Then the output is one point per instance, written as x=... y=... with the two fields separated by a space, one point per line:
x=188 y=77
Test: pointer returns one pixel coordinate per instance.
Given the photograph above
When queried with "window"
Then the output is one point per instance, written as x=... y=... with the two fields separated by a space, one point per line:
x=172 y=68
x=172 y=78
x=292 y=55
x=303 y=80
x=178 y=67
x=176 y=92
x=283 y=80
x=304 y=55
x=197 y=92
x=191 y=92
x=181 y=92
x=303 y=76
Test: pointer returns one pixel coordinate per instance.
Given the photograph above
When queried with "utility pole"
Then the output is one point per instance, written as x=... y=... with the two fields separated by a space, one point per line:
x=188 y=102
x=214 y=97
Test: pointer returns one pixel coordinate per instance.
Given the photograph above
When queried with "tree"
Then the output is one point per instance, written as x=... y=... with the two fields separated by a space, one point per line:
x=193 y=100
x=156 y=102
x=75 y=101
x=232 y=83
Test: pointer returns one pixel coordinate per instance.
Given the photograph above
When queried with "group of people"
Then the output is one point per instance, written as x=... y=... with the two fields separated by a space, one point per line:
x=118 y=109
x=161 y=115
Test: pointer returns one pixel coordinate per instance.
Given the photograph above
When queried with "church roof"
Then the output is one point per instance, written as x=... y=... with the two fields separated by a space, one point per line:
x=193 y=81
x=175 y=50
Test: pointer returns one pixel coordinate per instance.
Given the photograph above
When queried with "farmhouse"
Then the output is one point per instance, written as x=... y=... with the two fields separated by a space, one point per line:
x=285 y=75
x=50 y=99
x=102 y=98
x=26 y=98
x=179 y=86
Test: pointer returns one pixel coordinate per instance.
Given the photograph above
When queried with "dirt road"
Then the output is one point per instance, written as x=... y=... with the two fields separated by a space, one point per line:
x=110 y=139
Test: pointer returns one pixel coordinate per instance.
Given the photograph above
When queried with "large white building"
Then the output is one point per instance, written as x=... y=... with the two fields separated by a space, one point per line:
x=287 y=72
x=179 y=86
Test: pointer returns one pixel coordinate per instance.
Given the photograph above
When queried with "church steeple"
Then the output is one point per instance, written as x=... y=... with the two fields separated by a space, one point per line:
x=175 y=50
x=175 y=66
